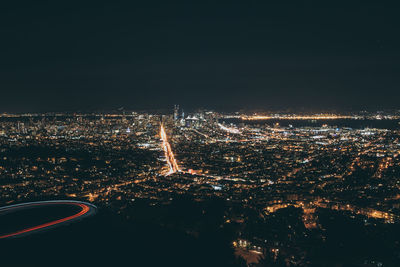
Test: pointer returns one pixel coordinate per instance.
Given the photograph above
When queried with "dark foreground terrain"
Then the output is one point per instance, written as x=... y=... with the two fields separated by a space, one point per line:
x=187 y=233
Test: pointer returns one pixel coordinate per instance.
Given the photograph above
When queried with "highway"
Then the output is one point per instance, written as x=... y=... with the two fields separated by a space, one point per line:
x=173 y=166
x=87 y=209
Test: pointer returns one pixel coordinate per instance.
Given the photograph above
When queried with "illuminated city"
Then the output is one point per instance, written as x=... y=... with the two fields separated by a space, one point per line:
x=199 y=134
x=311 y=166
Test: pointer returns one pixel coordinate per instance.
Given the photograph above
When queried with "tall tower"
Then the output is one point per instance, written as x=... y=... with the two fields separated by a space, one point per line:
x=176 y=112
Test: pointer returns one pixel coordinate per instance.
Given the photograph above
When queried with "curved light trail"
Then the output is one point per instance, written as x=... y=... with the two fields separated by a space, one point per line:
x=87 y=209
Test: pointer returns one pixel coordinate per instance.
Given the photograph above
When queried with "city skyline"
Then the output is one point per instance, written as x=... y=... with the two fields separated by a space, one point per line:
x=270 y=188
x=209 y=133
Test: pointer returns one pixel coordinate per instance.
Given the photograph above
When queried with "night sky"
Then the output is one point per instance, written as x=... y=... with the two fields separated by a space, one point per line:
x=61 y=55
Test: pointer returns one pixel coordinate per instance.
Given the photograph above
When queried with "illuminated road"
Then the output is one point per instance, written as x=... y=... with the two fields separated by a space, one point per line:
x=173 y=166
x=87 y=209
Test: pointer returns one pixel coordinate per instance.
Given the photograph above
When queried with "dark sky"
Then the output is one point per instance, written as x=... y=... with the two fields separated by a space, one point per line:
x=85 y=55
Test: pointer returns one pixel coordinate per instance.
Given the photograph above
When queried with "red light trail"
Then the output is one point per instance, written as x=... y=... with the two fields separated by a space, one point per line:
x=86 y=210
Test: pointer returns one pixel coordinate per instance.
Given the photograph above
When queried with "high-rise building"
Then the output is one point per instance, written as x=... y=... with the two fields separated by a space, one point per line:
x=176 y=112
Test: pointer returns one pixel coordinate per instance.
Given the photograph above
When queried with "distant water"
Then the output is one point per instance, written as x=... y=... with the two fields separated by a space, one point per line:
x=337 y=123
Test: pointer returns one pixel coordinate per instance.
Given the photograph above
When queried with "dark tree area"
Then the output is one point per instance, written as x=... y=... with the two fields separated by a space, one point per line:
x=108 y=239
